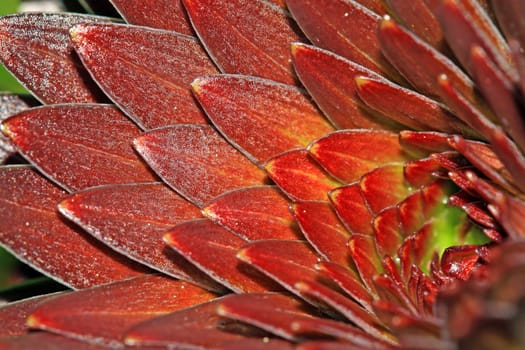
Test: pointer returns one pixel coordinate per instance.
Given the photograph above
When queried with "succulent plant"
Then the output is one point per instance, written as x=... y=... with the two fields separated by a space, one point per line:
x=299 y=174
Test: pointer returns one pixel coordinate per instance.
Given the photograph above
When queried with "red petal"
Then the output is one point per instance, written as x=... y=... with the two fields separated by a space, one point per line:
x=37 y=49
x=45 y=341
x=36 y=233
x=323 y=230
x=330 y=80
x=198 y=327
x=299 y=176
x=349 y=154
x=9 y=105
x=261 y=117
x=274 y=313
x=417 y=61
x=387 y=231
x=287 y=262
x=384 y=186
x=345 y=306
x=364 y=254
x=163 y=14
x=196 y=162
x=349 y=281
x=465 y=24
x=213 y=249
x=132 y=219
x=352 y=208
x=418 y=17
x=13 y=316
x=345 y=28
x=155 y=69
x=249 y=37
x=79 y=146
x=407 y=107
x=254 y=213
x=103 y=314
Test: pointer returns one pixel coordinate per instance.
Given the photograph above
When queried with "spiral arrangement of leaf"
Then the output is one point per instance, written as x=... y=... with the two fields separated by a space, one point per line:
x=268 y=174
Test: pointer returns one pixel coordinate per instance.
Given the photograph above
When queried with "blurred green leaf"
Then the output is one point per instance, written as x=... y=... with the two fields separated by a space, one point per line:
x=7 y=81
x=7 y=264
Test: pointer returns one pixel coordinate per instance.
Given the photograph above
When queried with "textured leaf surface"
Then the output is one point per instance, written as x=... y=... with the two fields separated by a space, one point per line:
x=79 y=146
x=36 y=48
x=254 y=213
x=197 y=162
x=419 y=63
x=102 y=314
x=274 y=313
x=213 y=249
x=163 y=14
x=155 y=69
x=350 y=154
x=198 y=327
x=323 y=230
x=261 y=117
x=9 y=105
x=352 y=208
x=36 y=233
x=287 y=262
x=249 y=37
x=345 y=28
x=45 y=341
x=407 y=107
x=13 y=316
x=330 y=80
x=299 y=176
x=132 y=219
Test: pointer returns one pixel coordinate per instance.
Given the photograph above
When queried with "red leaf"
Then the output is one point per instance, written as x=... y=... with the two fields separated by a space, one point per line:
x=45 y=341
x=274 y=313
x=250 y=37
x=132 y=219
x=346 y=307
x=13 y=316
x=196 y=162
x=330 y=80
x=418 y=17
x=352 y=208
x=299 y=176
x=261 y=117
x=387 y=231
x=349 y=281
x=411 y=213
x=384 y=186
x=9 y=105
x=421 y=172
x=419 y=63
x=36 y=48
x=36 y=233
x=102 y=315
x=465 y=25
x=363 y=252
x=500 y=94
x=349 y=154
x=213 y=249
x=323 y=230
x=155 y=69
x=407 y=107
x=163 y=14
x=198 y=327
x=254 y=213
x=345 y=28
x=286 y=262
x=79 y=146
